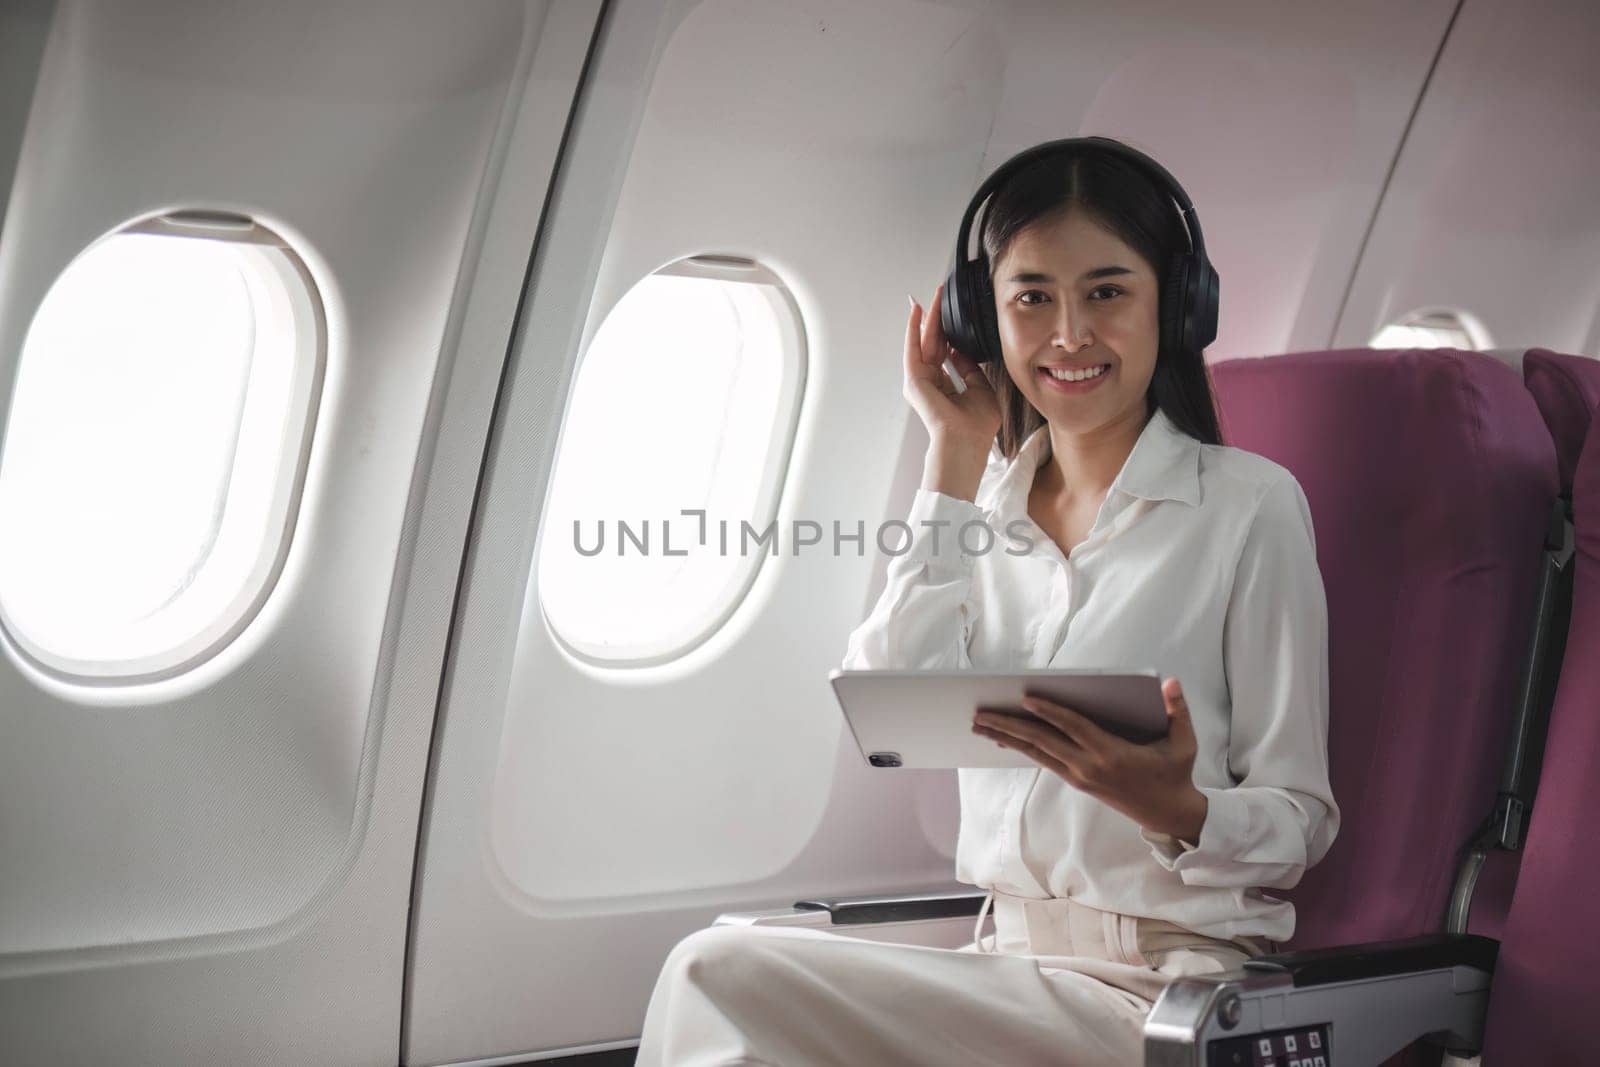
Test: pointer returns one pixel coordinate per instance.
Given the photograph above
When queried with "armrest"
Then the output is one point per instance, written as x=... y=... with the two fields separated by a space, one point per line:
x=1379 y=959
x=848 y=911
x=1350 y=1005
x=936 y=918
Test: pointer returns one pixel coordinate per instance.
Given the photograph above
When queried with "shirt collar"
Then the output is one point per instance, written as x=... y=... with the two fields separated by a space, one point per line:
x=1164 y=465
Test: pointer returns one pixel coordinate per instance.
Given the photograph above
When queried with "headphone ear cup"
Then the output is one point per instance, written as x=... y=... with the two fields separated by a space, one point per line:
x=950 y=311
x=988 y=326
x=1175 y=305
x=1205 y=306
x=959 y=312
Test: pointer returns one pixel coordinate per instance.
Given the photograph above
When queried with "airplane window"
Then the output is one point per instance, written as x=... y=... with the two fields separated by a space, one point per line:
x=686 y=400
x=1434 y=328
x=157 y=433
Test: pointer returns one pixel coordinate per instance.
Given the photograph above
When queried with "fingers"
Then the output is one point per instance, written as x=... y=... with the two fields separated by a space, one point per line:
x=913 y=350
x=933 y=331
x=962 y=364
x=926 y=351
x=1023 y=728
x=1178 y=721
x=936 y=338
x=1081 y=730
x=1047 y=758
x=922 y=359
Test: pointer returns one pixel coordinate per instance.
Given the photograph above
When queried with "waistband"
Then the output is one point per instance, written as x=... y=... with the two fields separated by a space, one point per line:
x=1062 y=926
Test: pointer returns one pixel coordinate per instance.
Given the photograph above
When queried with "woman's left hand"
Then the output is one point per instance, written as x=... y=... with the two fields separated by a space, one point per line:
x=1152 y=783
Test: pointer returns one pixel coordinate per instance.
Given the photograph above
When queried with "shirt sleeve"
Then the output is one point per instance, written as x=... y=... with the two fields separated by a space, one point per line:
x=1280 y=816
x=923 y=619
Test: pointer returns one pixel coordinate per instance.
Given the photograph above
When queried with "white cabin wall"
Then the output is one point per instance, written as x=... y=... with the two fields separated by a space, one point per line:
x=373 y=167
x=550 y=832
x=1492 y=205
x=216 y=868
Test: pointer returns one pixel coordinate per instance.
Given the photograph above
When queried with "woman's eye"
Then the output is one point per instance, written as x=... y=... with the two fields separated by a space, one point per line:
x=1098 y=294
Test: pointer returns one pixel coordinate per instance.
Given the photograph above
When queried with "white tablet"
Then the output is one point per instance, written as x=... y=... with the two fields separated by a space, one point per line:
x=924 y=718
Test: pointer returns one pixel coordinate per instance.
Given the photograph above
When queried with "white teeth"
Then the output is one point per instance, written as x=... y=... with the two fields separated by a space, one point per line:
x=1078 y=376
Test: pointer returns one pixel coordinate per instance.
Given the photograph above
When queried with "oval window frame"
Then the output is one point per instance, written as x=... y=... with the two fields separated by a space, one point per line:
x=282 y=261
x=791 y=327
x=1437 y=317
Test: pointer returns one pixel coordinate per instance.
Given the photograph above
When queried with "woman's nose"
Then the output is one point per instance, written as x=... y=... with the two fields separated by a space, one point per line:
x=1071 y=333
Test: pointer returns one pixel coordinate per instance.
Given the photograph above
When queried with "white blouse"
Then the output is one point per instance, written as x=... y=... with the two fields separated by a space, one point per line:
x=1201 y=564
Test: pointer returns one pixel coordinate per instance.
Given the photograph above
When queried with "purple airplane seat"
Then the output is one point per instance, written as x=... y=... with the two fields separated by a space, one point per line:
x=1430 y=476
x=1566 y=389
x=1547 y=978
x=1431 y=479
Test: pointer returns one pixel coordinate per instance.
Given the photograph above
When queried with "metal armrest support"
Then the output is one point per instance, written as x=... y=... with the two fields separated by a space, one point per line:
x=1366 y=1002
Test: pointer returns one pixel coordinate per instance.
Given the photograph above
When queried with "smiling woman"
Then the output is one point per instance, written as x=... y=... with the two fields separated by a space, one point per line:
x=1113 y=868
x=1086 y=248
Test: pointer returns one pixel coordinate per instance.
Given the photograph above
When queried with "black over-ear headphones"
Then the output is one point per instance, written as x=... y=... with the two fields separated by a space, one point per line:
x=1188 y=300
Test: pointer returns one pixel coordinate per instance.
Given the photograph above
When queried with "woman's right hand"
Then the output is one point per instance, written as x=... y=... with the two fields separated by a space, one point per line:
x=961 y=426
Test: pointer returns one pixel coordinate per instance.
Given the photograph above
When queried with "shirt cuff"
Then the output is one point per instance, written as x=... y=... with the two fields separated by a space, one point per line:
x=941 y=545
x=1221 y=836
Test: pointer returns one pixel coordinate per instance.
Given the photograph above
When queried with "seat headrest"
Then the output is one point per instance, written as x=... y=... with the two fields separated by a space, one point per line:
x=1567 y=390
x=1419 y=431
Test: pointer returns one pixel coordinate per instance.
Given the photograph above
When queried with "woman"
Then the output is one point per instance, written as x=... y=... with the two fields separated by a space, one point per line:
x=1112 y=867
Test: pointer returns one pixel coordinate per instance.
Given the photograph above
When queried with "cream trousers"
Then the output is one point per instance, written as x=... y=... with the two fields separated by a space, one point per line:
x=1062 y=984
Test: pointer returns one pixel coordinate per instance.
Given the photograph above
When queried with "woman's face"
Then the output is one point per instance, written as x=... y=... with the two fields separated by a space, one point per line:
x=1069 y=293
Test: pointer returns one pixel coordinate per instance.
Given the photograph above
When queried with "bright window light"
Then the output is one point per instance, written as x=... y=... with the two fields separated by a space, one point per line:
x=686 y=399
x=154 y=445
x=1434 y=328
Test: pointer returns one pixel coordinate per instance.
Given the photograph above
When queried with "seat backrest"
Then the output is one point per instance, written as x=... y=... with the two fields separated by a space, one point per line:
x=1430 y=477
x=1547 y=978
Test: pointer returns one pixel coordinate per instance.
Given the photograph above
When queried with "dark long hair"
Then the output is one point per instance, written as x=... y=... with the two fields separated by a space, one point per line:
x=1121 y=197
